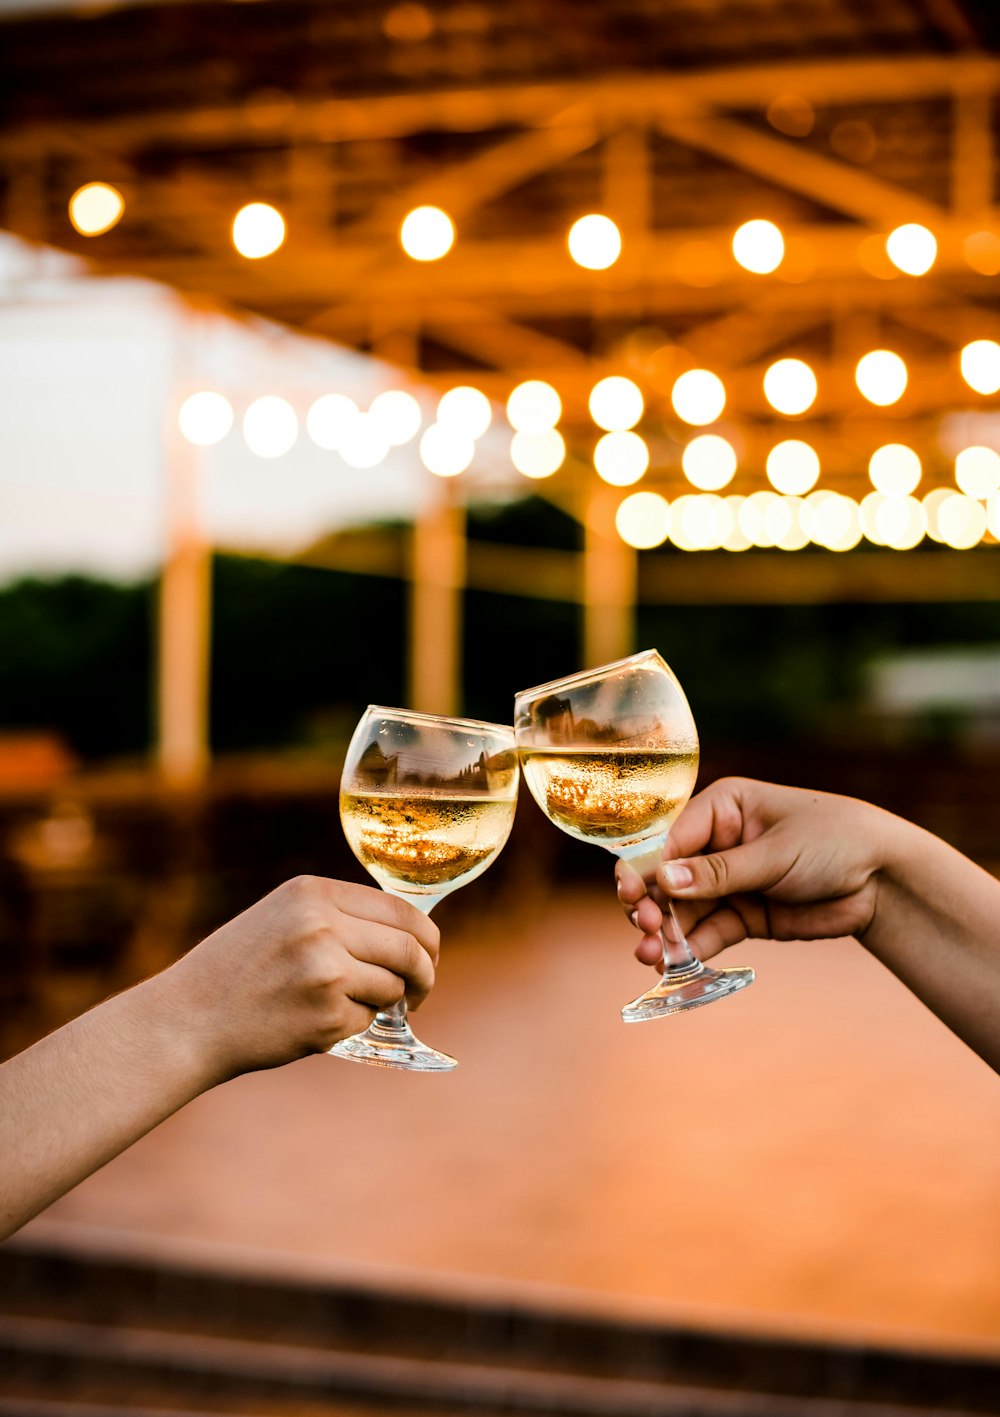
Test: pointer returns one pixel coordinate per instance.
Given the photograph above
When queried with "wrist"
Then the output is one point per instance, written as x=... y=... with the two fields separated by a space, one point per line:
x=183 y=1011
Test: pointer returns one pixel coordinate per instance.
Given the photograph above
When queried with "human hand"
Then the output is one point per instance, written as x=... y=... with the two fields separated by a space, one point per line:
x=306 y=966
x=779 y=863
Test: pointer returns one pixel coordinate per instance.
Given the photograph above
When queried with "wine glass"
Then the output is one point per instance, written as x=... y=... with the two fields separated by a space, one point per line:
x=426 y=803
x=611 y=756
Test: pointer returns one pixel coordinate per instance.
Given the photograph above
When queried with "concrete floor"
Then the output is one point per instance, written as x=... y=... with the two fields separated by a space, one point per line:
x=817 y=1155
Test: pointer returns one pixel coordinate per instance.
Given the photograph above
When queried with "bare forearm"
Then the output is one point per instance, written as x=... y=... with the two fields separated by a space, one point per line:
x=80 y=1096
x=937 y=926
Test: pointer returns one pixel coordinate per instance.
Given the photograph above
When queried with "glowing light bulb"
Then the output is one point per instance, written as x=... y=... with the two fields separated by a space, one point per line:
x=363 y=443
x=790 y=386
x=621 y=458
x=533 y=407
x=977 y=471
x=709 y=462
x=643 y=520
x=466 y=410
x=932 y=504
x=700 y=522
x=698 y=397
x=329 y=418
x=981 y=366
x=595 y=242
x=759 y=246
x=735 y=540
x=427 y=234
x=615 y=404
x=445 y=452
x=258 y=230
x=835 y=523
x=881 y=376
x=270 y=427
x=398 y=414
x=538 y=454
x=961 y=521
x=95 y=208
x=205 y=418
x=912 y=249
x=894 y=469
x=868 y=510
x=791 y=534
x=900 y=522
x=753 y=517
x=793 y=467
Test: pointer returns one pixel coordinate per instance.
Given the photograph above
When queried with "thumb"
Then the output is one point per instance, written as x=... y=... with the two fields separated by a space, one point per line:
x=747 y=867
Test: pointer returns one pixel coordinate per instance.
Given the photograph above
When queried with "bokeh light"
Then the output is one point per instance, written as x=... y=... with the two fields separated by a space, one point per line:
x=786 y=524
x=595 y=242
x=95 y=208
x=981 y=250
x=792 y=115
x=932 y=504
x=621 y=458
x=538 y=454
x=643 y=520
x=444 y=451
x=533 y=407
x=961 y=521
x=793 y=467
x=753 y=517
x=270 y=427
x=363 y=443
x=993 y=517
x=912 y=248
x=900 y=522
x=881 y=376
x=329 y=418
x=698 y=397
x=615 y=404
x=427 y=234
x=868 y=511
x=700 y=522
x=759 y=246
x=258 y=230
x=981 y=366
x=398 y=414
x=735 y=540
x=835 y=523
x=790 y=386
x=205 y=418
x=977 y=471
x=894 y=469
x=466 y=410
x=709 y=462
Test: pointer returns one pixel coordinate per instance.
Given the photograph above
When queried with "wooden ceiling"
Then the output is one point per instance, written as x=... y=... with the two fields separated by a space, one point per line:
x=838 y=119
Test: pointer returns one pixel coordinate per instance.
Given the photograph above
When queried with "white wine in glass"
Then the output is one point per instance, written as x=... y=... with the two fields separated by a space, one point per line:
x=426 y=804
x=611 y=756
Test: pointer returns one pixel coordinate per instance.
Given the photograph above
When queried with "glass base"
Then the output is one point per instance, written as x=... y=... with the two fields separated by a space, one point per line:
x=393 y=1047
x=686 y=989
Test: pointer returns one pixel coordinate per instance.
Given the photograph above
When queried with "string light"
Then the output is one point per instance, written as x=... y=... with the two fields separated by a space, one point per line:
x=753 y=518
x=205 y=418
x=363 y=443
x=595 y=242
x=793 y=467
x=700 y=522
x=427 y=234
x=735 y=540
x=95 y=208
x=466 y=410
x=270 y=427
x=868 y=512
x=621 y=458
x=835 y=523
x=961 y=521
x=538 y=454
x=445 y=452
x=900 y=522
x=932 y=504
x=616 y=404
x=790 y=386
x=709 y=462
x=912 y=249
x=981 y=366
x=792 y=536
x=977 y=472
x=398 y=414
x=759 y=246
x=698 y=397
x=881 y=376
x=329 y=418
x=258 y=230
x=894 y=469
x=643 y=520
x=533 y=407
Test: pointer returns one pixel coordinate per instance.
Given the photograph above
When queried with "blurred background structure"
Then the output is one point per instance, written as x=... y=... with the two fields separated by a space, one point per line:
x=416 y=352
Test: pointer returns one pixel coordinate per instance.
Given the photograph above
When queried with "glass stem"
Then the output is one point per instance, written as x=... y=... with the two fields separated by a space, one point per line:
x=678 y=958
x=393 y=1019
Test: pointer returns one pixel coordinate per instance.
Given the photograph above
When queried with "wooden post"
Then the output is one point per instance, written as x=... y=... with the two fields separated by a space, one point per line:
x=609 y=582
x=437 y=578
x=184 y=619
